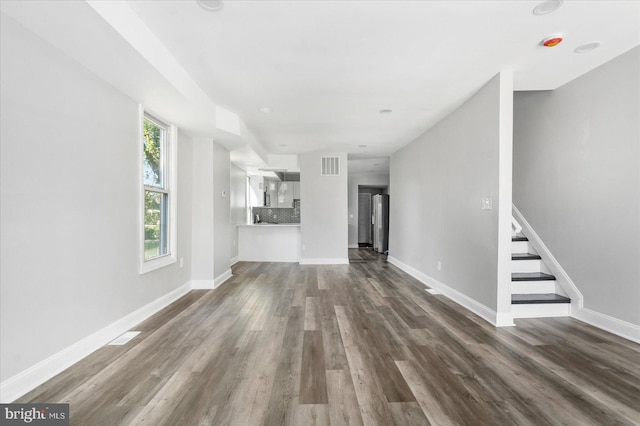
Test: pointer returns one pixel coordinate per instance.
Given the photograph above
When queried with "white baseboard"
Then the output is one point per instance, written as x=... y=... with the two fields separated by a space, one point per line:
x=501 y=319
x=504 y=319
x=23 y=382
x=220 y=279
x=324 y=261
x=354 y=246
x=202 y=284
x=608 y=323
x=235 y=260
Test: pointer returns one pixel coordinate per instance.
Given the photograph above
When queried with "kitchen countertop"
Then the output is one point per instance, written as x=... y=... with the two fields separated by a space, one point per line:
x=265 y=225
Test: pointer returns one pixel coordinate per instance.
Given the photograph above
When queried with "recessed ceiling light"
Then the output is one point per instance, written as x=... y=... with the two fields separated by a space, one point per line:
x=547 y=7
x=283 y=145
x=385 y=111
x=587 y=47
x=552 y=40
x=210 y=5
x=376 y=164
x=362 y=146
x=266 y=110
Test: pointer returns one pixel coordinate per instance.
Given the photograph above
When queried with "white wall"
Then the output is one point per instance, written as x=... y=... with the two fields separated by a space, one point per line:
x=437 y=185
x=354 y=180
x=221 y=210
x=238 y=203
x=69 y=204
x=211 y=214
x=323 y=211
x=577 y=180
x=203 y=229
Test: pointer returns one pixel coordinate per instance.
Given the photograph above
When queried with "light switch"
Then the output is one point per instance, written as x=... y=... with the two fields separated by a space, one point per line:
x=487 y=203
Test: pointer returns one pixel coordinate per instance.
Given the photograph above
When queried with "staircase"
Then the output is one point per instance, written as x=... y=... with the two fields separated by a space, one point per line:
x=534 y=291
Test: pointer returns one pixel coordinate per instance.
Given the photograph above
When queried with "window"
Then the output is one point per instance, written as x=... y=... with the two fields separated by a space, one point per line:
x=158 y=194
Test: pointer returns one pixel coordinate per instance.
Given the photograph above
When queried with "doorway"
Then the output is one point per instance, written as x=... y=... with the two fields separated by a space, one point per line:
x=365 y=213
x=364 y=219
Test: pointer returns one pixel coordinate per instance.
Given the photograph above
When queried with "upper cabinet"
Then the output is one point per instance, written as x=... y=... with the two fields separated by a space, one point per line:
x=285 y=194
x=281 y=194
x=296 y=190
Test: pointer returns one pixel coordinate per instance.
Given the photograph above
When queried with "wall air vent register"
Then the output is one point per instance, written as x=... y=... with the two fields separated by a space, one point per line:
x=330 y=166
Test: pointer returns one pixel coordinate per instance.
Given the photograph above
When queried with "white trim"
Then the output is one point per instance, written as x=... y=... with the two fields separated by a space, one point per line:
x=220 y=279
x=34 y=376
x=608 y=323
x=541 y=310
x=505 y=184
x=157 y=263
x=235 y=260
x=202 y=284
x=515 y=225
x=502 y=319
x=354 y=246
x=211 y=284
x=562 y=278
x=533 y=287
x=171 y=189
x=324 y=261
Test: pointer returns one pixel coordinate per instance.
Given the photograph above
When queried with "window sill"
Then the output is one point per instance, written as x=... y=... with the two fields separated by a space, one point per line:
x=153 y=264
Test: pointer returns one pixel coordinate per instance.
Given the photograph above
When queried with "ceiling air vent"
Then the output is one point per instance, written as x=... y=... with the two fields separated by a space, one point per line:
x=330 y=166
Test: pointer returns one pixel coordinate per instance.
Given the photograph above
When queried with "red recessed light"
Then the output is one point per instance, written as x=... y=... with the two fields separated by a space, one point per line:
x=552 y=41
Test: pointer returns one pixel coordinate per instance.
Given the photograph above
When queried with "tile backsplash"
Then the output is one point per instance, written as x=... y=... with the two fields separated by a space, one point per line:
x=277 y=215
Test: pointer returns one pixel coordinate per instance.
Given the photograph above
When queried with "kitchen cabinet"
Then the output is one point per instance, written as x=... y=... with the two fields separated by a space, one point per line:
x=281 y=194
x=296 y=190
x=285 y=194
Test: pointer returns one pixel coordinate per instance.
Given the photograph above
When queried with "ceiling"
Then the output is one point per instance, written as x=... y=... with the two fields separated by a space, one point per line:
x=326 y=68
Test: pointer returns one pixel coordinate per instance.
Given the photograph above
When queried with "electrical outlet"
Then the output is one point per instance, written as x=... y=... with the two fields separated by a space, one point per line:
x=182 y=262
x=487 y=203
x=439 y=266
x=304 y=247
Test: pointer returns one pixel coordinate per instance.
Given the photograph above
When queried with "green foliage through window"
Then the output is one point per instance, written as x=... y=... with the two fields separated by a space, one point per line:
x=156 y=195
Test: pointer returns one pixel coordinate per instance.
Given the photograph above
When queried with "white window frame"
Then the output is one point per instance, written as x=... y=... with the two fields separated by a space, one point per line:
x=171 y=174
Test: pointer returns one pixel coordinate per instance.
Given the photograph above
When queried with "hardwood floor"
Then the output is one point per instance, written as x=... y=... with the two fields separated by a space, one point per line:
x=284 y=344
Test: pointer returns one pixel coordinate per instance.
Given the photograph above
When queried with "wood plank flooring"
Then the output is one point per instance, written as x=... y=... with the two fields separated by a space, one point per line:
x=358 y=344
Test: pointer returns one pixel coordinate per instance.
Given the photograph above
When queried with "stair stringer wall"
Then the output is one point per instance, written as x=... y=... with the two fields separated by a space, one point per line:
x=551 y=264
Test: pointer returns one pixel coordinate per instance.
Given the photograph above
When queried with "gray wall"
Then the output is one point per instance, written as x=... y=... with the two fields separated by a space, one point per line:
x=323 y=210
x=238 y=202
x=211 y=212
x=576 y=179
x=354 y=180
x=221 y=210
x=202 y=225
x=437 y=184
x=70 y=204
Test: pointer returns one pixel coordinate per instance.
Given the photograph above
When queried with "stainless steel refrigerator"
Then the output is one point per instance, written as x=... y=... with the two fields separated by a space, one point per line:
x=381 y=223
